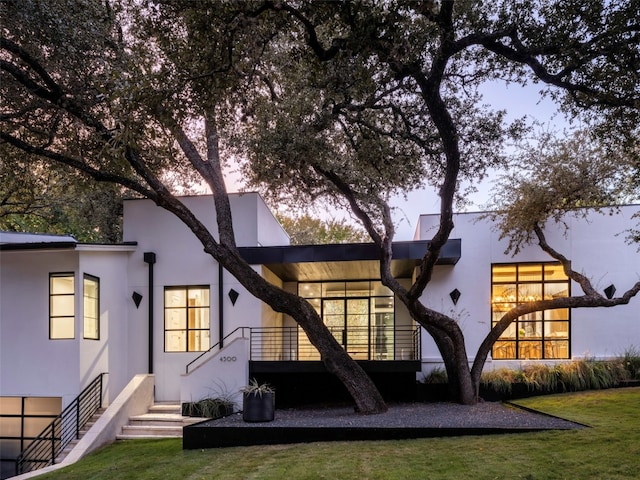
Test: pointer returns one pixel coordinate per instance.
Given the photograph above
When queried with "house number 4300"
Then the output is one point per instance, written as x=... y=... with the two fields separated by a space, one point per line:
x=228 y=359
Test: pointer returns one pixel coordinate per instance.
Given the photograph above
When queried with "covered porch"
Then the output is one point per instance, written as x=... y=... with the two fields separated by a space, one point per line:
x=342 y=283
x=285 y=359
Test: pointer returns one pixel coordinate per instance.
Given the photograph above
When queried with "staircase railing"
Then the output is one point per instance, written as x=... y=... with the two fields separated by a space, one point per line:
x=47 y=446
x=242 y=329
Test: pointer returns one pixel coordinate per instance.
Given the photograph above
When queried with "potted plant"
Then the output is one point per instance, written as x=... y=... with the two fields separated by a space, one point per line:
x=258 y=402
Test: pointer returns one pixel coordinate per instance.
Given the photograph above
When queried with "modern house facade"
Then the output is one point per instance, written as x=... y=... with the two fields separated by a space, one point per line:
x=157 y=303
x=491 y=281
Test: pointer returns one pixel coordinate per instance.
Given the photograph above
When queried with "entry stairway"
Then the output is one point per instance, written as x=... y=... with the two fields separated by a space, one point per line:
x=70 y=446
x=163 y=420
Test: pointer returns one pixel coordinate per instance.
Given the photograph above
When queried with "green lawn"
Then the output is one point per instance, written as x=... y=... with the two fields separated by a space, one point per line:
x=609 y=450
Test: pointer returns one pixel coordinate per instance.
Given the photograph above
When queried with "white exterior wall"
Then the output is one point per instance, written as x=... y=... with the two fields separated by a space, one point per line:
x=181 y=261
x=32 y=364
x=110 y=353
x=270 y=232
x=596 y=247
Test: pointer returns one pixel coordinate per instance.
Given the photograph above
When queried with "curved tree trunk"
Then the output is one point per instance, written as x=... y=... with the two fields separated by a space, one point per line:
x=365 y=394
x=460 y=381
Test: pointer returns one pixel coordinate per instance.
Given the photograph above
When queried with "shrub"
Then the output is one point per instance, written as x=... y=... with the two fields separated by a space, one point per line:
x=577 y=375
x=500 y=381
x=631 y=362
x=540 y=377
x=208 y=408
x=437 y=375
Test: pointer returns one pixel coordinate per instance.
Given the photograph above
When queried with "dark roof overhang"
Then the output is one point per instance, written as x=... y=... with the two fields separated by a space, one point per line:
x=65 y=245
x=39 y=246
x=344 y=261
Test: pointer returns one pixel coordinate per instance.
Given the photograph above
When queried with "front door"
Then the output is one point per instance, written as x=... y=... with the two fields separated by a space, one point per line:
x=348 y=321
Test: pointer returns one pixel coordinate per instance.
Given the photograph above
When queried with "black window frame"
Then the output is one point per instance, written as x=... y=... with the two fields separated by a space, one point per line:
x=87 y=276
x=186 y=289
x=373 y=343
x=51 y=295
x=544 y=340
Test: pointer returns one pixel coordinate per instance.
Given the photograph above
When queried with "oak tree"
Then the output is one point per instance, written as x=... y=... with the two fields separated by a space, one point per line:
x=382 y=98
x=348 y=102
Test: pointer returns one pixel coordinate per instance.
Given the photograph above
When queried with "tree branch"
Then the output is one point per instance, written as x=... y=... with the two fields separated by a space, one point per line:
x=80 y=165
x=583 y=281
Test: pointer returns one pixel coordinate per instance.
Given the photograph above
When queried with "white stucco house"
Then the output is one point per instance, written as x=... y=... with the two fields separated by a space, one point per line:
x=156 y=303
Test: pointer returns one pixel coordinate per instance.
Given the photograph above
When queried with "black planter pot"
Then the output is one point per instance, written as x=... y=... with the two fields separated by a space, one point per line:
x=258 y=407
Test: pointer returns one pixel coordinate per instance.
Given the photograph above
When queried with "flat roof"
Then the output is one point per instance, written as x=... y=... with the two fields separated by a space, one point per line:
x=344 y=261
x=66 y=245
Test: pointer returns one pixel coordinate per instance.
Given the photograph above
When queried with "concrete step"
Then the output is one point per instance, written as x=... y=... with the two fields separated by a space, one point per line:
x=165 y=408
x=62 y=455
x=164 y=420
x=150 y=431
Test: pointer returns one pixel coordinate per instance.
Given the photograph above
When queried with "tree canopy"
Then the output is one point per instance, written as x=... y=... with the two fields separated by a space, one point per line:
x=307 y=230
x=555 y=176
x=38 y=197
x=350 y=102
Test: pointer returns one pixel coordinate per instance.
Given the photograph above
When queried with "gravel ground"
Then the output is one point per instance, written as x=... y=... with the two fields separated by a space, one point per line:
x=410 y=415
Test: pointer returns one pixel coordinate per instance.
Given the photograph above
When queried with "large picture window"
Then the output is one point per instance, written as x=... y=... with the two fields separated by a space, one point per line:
x=91 y=300
x=61 y=306
x=186 y=319
x=538 y=335
x=360 y=315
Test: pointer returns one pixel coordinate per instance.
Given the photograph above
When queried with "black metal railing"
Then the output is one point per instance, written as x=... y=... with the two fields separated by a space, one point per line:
x=216 y=346
x=47 y=446
x=362 y=343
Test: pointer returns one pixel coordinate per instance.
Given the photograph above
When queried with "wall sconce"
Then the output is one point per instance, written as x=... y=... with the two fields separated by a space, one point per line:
x=455 y=295
x=137 y=298
x=610 y=291
x=233 y=295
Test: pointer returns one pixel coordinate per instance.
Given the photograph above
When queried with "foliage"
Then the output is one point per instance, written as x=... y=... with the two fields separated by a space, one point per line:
x=631 y=361
x=35 y=197
x=348 y=102
x=437 y=375
x=257 y=389
x=553 y=176
x=499 y=380
x=139 y=94
x=208 y=408
x=577 y=375
x=354 y=124
x=306 y=230
x=612 y=446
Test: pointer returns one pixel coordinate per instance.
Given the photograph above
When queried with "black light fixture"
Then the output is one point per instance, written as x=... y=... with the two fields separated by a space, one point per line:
x=610 y=291
x=455 y=295
x=137 y=298
x=233 y=295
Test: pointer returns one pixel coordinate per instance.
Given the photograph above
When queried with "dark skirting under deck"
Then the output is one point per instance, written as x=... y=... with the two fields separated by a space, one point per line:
x=309 y=383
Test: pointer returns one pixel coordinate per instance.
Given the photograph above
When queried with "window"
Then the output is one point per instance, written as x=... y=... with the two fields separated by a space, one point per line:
x=91 y=296
x=186 y=319
x=360 y=315
x=538 y=335
x=22 y=420
x=61 y=306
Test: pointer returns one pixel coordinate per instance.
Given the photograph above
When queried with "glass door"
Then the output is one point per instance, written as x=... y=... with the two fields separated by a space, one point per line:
x=348 y=321
x=357 y=328
x=333 y=316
